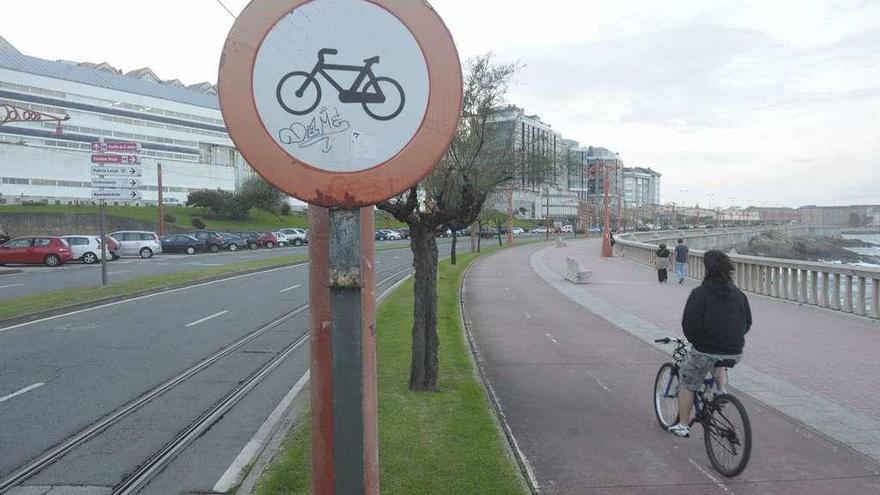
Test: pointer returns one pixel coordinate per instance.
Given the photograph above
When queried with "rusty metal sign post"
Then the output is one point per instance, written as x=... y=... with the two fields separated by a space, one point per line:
x=289 y=103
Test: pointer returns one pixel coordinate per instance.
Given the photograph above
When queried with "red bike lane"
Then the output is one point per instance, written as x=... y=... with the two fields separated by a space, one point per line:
x=576 y=392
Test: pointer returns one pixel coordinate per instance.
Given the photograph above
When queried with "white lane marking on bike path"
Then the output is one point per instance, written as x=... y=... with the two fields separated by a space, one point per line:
x=211 y=317
x=22 y=391
x=709 y=475
x=552 y=339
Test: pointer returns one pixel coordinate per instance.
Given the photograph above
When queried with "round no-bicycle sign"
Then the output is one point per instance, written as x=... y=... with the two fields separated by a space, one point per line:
x=340 y=102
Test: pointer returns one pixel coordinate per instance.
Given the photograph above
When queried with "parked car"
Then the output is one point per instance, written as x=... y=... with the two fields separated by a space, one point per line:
x=282 y=239
x=392 y=235
x=404 y=233
x=234 y=242
x=85 y=248
x=267 y=240
x=138 y=243
x=296 y=237
x=518 y=231
x=212 y=240
x=49 y=250
x=114 y=249
x=380 y=235
x=182 y=243
x=566 y=229
x=252 y=238
x=539 y=230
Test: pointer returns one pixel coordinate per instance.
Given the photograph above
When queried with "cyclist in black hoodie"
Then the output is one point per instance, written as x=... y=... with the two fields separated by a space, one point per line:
x=715 y=321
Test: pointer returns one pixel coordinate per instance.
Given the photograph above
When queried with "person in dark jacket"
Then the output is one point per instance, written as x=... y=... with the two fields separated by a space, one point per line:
x=662 y=263
x=681 y=260
x=716 y=319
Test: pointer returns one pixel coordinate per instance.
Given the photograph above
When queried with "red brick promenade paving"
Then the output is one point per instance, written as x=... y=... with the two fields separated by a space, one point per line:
x=576 y=383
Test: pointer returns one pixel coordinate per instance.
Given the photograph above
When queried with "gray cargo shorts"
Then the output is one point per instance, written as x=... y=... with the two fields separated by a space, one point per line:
x=696 y=364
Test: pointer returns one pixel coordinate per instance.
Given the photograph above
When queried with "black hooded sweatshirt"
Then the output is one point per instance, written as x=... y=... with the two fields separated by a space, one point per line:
x=716 y=318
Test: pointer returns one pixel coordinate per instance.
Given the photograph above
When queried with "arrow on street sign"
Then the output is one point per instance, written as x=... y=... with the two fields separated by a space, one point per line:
x=118 y=171
x=116 y=183
x=123 y=159
x=126 y=194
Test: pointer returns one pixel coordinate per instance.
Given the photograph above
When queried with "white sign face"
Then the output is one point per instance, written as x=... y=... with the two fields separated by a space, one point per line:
x=117 y=171
x=118 y=183
x=341 y=85
x=126 y=194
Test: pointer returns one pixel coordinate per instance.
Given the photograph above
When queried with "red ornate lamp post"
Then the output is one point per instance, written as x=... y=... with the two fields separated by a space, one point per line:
x=11 y=113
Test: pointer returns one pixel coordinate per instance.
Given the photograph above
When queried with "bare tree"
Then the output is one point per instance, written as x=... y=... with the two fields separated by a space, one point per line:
x=477 y=162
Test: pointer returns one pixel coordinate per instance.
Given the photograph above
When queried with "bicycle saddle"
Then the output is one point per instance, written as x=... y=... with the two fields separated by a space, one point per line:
x=372 y=60
x=725 y=363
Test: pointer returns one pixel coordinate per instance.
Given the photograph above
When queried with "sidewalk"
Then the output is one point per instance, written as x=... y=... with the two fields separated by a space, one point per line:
x=575 y=384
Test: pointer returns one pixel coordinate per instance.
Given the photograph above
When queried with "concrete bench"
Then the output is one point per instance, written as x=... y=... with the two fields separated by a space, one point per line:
x=574 y=274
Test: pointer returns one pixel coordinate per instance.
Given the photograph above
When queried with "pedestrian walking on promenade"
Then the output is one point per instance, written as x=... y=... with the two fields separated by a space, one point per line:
x=715 y=321
x=681 y=260
x=662 y=263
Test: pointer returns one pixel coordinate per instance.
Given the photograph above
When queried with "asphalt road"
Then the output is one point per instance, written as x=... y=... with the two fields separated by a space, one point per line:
x=35 y=279
x=60 y=375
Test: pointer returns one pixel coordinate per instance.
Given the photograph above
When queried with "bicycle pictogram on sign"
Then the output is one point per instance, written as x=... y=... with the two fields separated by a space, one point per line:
x=299 y=92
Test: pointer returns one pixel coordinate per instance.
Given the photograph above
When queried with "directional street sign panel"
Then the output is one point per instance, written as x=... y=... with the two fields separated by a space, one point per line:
x=98 y=146
x=124 y=194
x=116 y=183
x=123 y=159
x=288 y=105
x=117 y=171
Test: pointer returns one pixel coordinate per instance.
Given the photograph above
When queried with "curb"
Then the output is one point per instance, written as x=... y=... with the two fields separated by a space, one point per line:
x=17 y=320
x=525 y=469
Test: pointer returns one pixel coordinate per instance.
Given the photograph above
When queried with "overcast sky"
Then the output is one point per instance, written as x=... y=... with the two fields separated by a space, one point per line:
x=768 y=102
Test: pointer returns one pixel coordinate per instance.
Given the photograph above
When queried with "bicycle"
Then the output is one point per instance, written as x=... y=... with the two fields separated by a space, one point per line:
x=727 y=431
x=367 y=89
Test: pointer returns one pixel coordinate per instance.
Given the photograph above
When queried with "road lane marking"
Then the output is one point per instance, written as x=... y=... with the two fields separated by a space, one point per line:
x=552 y=339
x=147 y=296
x=215 y=315
x=22 y=391
x=290 y=288
x=715 y=480
x=118 y=272
x=236 y=470
x=10 y=285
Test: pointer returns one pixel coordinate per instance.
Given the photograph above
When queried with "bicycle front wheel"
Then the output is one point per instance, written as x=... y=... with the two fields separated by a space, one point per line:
x=666 y=396
x=298 y=93
x=727 y=433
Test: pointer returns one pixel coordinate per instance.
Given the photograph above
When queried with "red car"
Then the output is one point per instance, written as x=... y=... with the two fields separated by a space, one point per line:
x=53 y=251
x=267 y=240
x=112 y=248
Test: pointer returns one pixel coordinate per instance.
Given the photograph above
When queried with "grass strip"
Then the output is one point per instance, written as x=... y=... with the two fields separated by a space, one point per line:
x=429 y=443
x=68 y=298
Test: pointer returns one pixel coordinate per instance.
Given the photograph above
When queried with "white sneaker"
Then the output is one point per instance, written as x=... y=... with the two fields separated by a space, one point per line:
x=680 y=430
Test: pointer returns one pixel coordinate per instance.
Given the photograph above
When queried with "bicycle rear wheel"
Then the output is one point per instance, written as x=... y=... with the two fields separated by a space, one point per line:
x=666 y=396
x=727 y=433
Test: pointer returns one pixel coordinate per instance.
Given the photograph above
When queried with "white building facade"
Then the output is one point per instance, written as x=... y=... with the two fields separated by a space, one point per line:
x=641 y=187
x=180 y=127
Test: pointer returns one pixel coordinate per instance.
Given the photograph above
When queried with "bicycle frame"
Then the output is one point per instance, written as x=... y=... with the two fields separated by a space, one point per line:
x=351 y=94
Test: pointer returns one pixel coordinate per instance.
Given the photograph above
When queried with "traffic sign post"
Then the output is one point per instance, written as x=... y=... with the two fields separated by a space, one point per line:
x=114 y=182
x=342 y=149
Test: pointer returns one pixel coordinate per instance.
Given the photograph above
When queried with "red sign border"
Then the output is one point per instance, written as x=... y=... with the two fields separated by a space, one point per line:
x=340 y=189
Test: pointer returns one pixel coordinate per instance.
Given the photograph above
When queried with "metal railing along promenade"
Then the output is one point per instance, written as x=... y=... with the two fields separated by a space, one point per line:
x=846 y=288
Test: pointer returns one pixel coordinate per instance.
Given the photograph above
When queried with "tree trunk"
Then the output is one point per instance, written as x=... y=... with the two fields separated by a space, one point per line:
x=499 y=236
x=479 y=236
x=452 y=258
x=425 y=343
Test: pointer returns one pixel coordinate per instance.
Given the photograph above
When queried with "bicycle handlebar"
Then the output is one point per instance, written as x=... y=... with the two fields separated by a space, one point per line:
x=326 y=51
x=666 y=340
